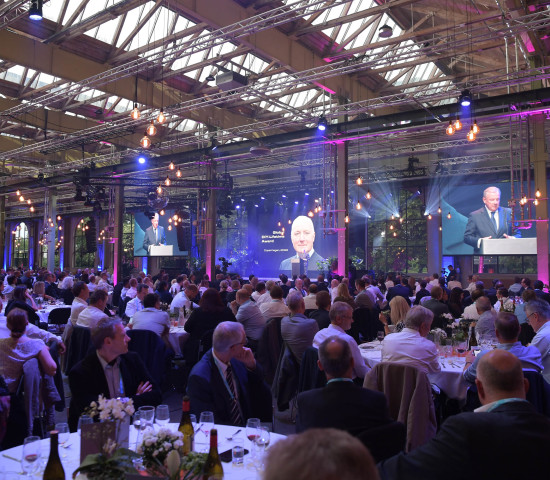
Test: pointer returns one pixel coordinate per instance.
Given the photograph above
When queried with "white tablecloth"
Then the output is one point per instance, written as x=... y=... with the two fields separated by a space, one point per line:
x=449 y=380
x=177 y=338
x=44 y=311
x=70 y=457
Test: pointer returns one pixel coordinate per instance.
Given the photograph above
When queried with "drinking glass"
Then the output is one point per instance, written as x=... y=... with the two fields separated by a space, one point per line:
x=84 y=420
x=147 y=416
x=238 y=452
x=262 y=442
x=64 y=434
x=163 y=415
x=206 y=424
x=136 y=422
x=252 y=433
x=30 y=455
x=380 y=336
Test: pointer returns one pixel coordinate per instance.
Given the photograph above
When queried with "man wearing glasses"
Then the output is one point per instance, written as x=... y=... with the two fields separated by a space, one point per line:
x=538 y=316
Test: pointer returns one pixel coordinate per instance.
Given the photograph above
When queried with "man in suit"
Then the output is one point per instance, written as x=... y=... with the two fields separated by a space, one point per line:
x=437 y=307
x=340 y=404
x=539 y=292
x=490 y=221
x=110 y=370
x=402 y=289
x=228 y=381
x=154 y=235
x=505 y=438
x=302 y=235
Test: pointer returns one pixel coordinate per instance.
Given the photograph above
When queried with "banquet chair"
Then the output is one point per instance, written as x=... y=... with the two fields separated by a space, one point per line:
x=269 y=348
x=310 y=375
x=79 y=346
x=366 y=322
x=539 y=391
x=153 y=351
x=59 y=316
x=410 y=400
x=384 y=441
x=526 y=334
x=285 y=381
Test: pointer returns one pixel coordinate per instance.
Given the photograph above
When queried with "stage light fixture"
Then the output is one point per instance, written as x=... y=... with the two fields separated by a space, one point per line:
x=458 y=123
x=475 y=128
x=359 y=180
x=358 y=205
x=151 y=129
x=322 y=123
x=306 y=194
x=283 y=195
x=537 y=193
x=471 y=135
x=385 y=31
x=142 y=159
x=262 y=198
x=296 y=202
x=161 y=117
x=135 y=112
x=210 y=77
x=450 y=130
x=465 y=98
x=35 y=10
x=145 y=142
x=178 y=173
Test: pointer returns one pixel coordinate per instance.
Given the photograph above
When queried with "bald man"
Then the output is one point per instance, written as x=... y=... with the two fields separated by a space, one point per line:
x=504 y=438
x=302 y=235
x=490 y=221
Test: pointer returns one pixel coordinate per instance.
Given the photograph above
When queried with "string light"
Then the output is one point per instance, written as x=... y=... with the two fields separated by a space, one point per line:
x=471 y=135
x=395 y=234
x=159 y=190
x=440 y=229
x=449 y=215
x=450 y=130
x=536 y=202
x=475 y=128
x=310 y=213
x=21 y=198
x=178 y=173
x=135 y=112
x=537 y=194
x=169 y=227
x=171 y=166
x=368 y=196
x=346 y=219
x=358 y=205
x=359 y=180
x=59 y=218
x=151 y=129
x=167 y=182
x=31 y=209
x=161 y=212
x=29 y=201
x=145 y=142
x=429 y=216
x=18 y=192
x=458 y=123
x=438 y=209
x=161 y=118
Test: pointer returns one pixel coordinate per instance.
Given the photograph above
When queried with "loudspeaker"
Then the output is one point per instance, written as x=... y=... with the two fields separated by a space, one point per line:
x=91 y=236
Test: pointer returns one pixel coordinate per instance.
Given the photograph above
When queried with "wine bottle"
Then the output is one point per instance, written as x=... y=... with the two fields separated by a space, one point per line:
x=186 y=427
x=213 y=465
x=472 y=340
x=54 y=469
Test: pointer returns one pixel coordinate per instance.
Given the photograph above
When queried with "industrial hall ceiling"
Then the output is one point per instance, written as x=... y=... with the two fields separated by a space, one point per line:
x=244 y=84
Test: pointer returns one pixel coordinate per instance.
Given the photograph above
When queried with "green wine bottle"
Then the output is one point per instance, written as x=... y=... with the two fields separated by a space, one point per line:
x=213 y=466
x=54 y=468
x=186 y=427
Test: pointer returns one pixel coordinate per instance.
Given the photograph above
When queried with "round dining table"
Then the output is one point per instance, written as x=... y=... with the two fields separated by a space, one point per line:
x=449 y=379
x=10 y=460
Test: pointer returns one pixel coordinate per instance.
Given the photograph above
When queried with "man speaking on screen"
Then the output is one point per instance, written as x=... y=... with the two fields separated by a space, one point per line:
x=490 y=221
x=154 y=235
x=302 y=235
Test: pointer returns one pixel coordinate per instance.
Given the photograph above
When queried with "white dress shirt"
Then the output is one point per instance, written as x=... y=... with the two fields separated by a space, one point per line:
x=32 y=332
x=151 y=319
x=180 y=301
x=310 y=301
x=76 y=307
x=133 y=306
x=90 y=316
x=274 y=309
x=410 y=348
x=542 y=341
x=360 y=369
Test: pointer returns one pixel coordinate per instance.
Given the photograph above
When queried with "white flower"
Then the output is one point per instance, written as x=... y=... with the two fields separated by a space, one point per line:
x=148 y=442
x=167 y=446
x=173 y=462
x=178 y=444
x=155 y=453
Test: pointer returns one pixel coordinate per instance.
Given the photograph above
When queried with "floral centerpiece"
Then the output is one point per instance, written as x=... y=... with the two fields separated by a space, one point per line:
x=110 y=464
x=117 y=410
x=509 y=306
x=438 y=335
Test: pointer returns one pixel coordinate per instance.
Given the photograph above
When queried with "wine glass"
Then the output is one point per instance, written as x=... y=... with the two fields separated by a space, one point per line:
x=380 y=336
x=136 y=422
x=252 y=433
x=64 y=434
x=262 y=442
x=30 y=455
x=206 y=423
x=147 y=416
x=163 y=415
x=84 y=420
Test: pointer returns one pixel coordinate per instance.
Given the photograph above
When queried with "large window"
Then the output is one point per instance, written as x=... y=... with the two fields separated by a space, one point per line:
x=397 y=240
x=20 y=239
x=82 y=257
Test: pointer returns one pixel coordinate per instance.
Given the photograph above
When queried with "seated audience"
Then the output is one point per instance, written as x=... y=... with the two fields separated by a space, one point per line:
x=503 y=300
x=163 y=293
x=241 y=393
x=19 y=300
x=81 y=294
x=423 y=292
x=265 y=297
x=110 y=370
x=51 y=288
x=340 y=404
x=299 y=287
x=275 y=308
x=184 y=299
x=321 y=315
x=151 y=318
x=92 y=314
x=18 y=348
x=437 y=307
x=455 y=302
x=320 y=454
x=519 y=312
x=66 y=290
x=247 y=312
x=411 y=346
x=310 y=299
x=259 y=291
x=341 y=318
x=343 y=295
x=399 y=307
x=505 y=438
x=39 y=292
x=538 y=316
x=132 y=291
x=470 y=312
x=296 y=329
x=485 y=325
x=538 y=286
x=136 y=304
x=401 y=289
x=507 y=332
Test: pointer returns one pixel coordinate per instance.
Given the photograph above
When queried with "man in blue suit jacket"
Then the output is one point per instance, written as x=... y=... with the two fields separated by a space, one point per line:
x=233 y=396
x=154 y=235
x=490 y=221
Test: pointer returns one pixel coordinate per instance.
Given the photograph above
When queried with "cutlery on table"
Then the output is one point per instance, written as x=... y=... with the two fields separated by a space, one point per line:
x=231 y=436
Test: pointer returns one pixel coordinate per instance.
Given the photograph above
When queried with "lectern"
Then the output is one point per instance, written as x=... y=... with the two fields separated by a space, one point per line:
x=508 y=246
x=161 y=250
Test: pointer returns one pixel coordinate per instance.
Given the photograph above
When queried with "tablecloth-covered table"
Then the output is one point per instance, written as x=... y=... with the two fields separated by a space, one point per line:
x=10 y=466
x=449 y=380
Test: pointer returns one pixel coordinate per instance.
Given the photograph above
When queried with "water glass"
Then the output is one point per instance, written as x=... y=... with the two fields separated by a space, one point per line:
x=84 y=420
x=206 y=423
x=147 y=416
x=31 y=455
x=238 y=452
x=163 y=415
x=63 y=429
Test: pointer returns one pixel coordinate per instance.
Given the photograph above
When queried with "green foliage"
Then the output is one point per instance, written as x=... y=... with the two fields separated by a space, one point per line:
x=103 y=467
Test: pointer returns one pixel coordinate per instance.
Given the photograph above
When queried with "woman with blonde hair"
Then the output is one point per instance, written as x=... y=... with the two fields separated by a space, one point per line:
x=343 y=295
x=39 y=290
x=398 y=311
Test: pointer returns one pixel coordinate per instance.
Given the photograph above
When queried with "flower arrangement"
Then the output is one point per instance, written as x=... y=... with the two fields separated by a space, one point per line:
x=156 y=446
x=448 y=317
x=110 y=464
x=111 y=408
x=439 y=332
x=508 y=306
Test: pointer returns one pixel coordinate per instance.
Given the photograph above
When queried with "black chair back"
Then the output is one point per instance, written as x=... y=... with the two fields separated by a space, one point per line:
x=539 y=391
x=366 y=322
x=269 y=348
x=122 y=307
x=526 y=334
x=79 y=346
x=152 y=351
x=310 y=375
x=205 y=343
x=59 y=316
x=384 y=441
x=67 y=296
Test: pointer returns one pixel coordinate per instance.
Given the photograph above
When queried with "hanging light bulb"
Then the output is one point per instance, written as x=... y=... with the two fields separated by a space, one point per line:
x=171 y=166
x=368 y=196
x=359 y=180
x=450 y=130
x=169 y=227
x=31 y=209
x=391 y=227
x=358 y=205
x=475 y=128
x=159 y=189
x=161 y=213
x=18 y=192
x=440 y=229
x=289 y=221
x=29 y=201
x=278 y=224
x=429 y=216
x=145 y=142
x=151 y=129
x=537 y=193
x=310 y=213
x=167 y=182
x=401 y=220
x=161 y=118
x=178 y=173
x=58 y=218
x=392 y=216
x=536 y=202
x=438 y=209
x=471 y=135
x=449 y=215
x=135 y=112
x=346 y=219
x=395 y=234
x=458 y=123
x=21 y=198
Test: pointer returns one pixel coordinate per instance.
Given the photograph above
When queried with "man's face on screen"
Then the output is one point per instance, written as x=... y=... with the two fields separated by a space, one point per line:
x=155 y=222
x=492 y=200
x=303 y=234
